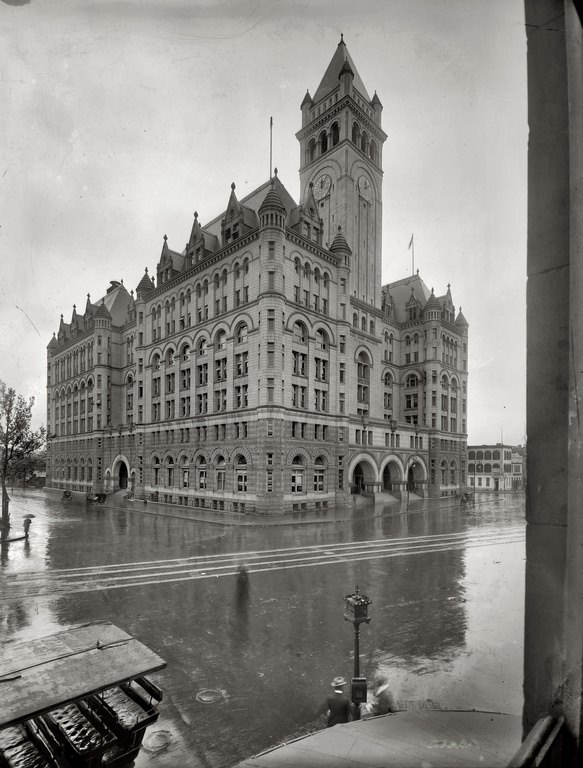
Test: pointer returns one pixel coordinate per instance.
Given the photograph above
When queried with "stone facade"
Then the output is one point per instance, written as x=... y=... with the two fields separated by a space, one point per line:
x=266 y=368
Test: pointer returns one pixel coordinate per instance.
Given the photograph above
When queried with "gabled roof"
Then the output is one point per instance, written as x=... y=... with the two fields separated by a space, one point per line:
x=329 y=82
x=253 y=202
x=401 y=292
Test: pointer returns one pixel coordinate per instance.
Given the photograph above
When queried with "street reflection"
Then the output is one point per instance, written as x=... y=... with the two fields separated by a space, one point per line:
x=446 y=614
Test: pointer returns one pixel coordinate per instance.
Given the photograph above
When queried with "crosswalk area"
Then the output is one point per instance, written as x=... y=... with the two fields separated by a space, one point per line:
x=16 y=586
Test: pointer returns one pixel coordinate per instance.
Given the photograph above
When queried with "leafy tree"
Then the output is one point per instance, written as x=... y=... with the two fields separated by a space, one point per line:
x=17 y=440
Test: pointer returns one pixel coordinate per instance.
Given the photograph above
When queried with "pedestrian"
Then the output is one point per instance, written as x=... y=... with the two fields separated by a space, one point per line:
x=26 y=525
x=338 y=704
x=242 y=582
x=382 y=699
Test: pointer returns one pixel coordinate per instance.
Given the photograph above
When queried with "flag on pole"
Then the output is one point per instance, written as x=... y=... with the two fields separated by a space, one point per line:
x=410 y=243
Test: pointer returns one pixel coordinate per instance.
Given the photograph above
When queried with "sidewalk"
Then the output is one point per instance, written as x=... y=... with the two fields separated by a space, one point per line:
x=431 y=738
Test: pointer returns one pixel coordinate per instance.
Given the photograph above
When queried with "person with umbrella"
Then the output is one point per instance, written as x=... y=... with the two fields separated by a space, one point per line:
x=26 y=524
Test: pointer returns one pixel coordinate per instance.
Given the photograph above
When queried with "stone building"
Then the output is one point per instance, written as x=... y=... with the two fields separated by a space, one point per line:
x=266 y=367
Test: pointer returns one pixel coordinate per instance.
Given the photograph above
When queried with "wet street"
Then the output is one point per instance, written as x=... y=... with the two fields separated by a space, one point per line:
x=250 y=665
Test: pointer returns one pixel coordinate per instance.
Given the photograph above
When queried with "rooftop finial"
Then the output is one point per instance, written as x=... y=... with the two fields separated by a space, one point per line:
x=341 y=37
x=146 y=270
x=165 y=238
x=233 y=186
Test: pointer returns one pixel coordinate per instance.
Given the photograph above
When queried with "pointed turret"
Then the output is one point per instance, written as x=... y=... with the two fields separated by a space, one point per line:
x=432 y=308
x=53 y=344
x=331 y=78
x=272 y=211
x=461 y=320
x=340 y=248
x=306 y=106
x=103 y=312
x=377 y=108
x=144 y=286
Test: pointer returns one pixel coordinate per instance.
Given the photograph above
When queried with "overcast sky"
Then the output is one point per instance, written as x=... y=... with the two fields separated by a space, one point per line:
x=120 y=119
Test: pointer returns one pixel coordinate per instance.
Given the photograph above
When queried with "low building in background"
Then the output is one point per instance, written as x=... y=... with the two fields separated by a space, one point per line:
x=496 y=467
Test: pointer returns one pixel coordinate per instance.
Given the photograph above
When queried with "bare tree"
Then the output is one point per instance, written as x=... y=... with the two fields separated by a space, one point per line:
x=17 y=440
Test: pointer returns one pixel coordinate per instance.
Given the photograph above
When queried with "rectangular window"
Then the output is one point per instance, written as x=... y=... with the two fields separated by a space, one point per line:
x=321 y=372
x=271 y=280
x=270 y=354
x=241 y=396
x=271 y=320
x=299 y=363
x=242 y=363
x=269 y=481
x=271 y=249
x=203 y=374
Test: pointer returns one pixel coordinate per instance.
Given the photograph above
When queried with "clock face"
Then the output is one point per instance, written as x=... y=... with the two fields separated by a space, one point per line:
x=322 y=186
x=365 y=188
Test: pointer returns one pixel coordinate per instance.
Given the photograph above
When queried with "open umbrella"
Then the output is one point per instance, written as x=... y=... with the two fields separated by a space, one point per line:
x=29 y=515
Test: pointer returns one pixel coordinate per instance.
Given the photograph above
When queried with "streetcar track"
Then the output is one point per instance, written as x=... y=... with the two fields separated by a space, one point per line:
x=70 y=580
x=248 y=555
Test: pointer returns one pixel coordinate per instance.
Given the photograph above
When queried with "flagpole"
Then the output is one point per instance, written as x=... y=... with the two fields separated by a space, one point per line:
x=412 y=247
x=412 y=256
x=270 y=144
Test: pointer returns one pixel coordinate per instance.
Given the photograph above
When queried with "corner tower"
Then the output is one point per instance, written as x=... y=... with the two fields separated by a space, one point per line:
x=341 y=143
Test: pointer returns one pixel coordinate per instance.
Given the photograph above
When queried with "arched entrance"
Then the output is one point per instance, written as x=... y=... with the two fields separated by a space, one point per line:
x=415 y=477
x=392 y=477
x=363 y=478
x=123 y=475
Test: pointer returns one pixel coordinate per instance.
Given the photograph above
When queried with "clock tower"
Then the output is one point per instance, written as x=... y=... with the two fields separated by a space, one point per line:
x=341 y=142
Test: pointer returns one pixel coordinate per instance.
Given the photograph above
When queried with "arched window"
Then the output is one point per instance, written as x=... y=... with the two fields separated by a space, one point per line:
x=411 y=380
x=241 y=334
x=364 y=142
x=355 y=133
x=156 y=470
x=170 y=357
x=241 y=475
x=201 y=473
x=297 y=475
x=321 y=340
x=335 y=134
x=220 y=341
x=202 y=347
x=300 y=333
x=220 y=473
x=371 y=328
x=319 y=475
x=444 y=472
x=355 y=320
x=363 y=323
x=363 y=366
x=185 y=352
x=184 y=471
x=388 y=379
x=312 y=150
x=169 y=471
x=323 y=141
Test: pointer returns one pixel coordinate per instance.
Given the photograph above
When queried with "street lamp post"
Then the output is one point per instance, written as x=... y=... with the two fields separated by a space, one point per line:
x=357 y=613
